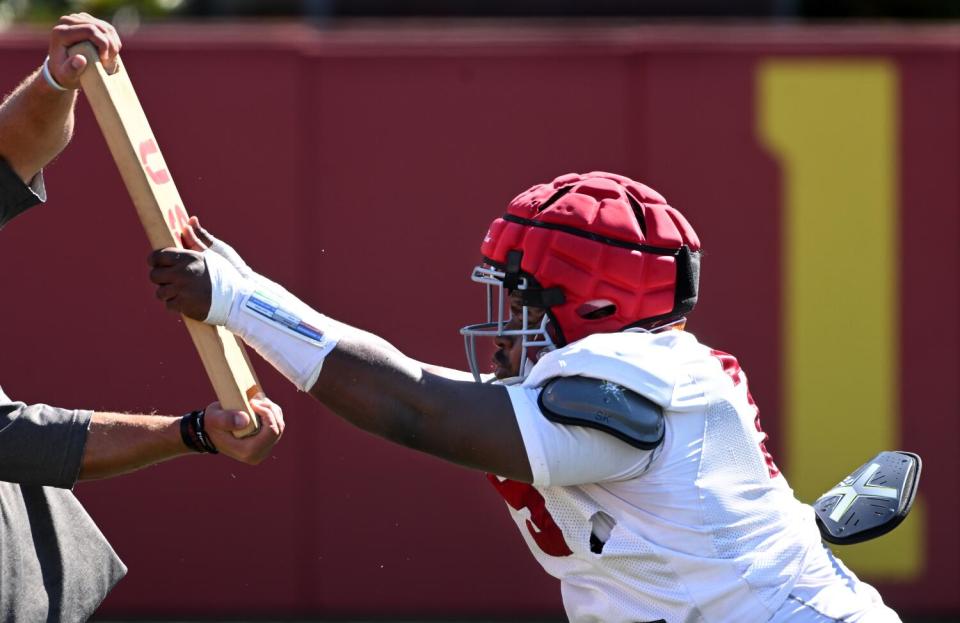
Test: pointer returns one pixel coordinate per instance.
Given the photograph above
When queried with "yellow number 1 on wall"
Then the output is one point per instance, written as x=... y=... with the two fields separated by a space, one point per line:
x=832 y=124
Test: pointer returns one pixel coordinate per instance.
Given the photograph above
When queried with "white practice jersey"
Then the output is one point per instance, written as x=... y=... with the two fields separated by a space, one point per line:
x=703 y=528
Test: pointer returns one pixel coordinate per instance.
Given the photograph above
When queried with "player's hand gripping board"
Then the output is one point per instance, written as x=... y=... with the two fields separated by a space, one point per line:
x=134 y=149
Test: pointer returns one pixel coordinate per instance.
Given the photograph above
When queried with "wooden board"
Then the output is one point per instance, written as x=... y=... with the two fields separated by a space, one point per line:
x=154 y=194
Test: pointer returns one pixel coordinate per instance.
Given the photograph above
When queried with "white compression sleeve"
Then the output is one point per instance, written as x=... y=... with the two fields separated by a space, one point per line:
x=226 y=285
x=284 y=330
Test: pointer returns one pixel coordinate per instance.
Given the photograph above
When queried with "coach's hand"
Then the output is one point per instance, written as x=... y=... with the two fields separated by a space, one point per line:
x=221 y=424
x=183 y=281
x=71 y=29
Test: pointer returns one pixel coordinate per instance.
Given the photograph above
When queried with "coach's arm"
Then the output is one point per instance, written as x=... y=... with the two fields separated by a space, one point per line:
x=50 y=446
x=118 y=443
x=36 y=119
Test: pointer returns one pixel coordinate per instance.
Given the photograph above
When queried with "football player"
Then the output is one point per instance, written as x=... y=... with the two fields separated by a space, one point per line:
x=629 y=454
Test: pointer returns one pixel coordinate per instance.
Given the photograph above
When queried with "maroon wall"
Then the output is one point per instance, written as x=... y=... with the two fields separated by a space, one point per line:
x=360 y=169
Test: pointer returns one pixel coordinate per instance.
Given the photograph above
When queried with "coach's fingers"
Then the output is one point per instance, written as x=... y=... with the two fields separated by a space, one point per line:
x=101 y=33
x=70 y=70
x=107 y=28
x=217 y=418
x=77 y=18
x=75 y=28
x=109 y=56
x=66 y=68
x=278 y=411
x=271 y=415
x=65 y=35
x=221 y=424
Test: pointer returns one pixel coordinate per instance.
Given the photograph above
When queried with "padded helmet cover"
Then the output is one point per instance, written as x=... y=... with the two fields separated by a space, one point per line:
x=601 y=238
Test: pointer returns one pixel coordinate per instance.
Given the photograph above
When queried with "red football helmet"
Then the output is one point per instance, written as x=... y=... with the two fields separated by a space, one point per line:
x=599 y=252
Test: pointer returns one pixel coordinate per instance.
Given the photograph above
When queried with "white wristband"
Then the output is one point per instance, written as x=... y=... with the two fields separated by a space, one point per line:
x=226 y=286
x=230 y=254
x=49 y=77
x=290 y=335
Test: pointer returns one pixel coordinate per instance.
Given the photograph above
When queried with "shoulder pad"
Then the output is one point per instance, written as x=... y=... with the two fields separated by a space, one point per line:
x=606 y=406
x=647 y=363
x=871 y=501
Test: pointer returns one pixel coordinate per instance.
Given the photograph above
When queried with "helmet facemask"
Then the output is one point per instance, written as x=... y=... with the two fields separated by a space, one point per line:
x=533 y=340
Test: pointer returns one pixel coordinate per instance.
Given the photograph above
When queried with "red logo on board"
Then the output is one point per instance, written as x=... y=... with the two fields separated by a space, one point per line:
x=147 y=148
x=177 y=219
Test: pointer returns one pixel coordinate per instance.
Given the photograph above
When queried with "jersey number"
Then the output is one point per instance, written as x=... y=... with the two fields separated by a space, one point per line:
x=732 y=369
x=544 y=531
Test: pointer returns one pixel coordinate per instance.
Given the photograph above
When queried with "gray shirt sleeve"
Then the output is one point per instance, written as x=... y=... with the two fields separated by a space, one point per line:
x=40 y=444
x=15 y=196
x=56 y=564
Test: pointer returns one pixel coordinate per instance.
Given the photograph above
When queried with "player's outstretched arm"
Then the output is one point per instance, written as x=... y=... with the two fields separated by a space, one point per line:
x=119 y=443
x=360 y=376
x=376 y=387
x=36 y=119
x=196 y=238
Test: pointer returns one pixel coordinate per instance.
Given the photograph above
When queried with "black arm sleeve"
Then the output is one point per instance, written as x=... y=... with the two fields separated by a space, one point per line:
x=15 y=196
x=40 y=444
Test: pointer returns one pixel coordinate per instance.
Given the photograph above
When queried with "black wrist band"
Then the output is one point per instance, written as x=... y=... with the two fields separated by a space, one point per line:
x=194 y=435
x=186 y=434
x=202 y=433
